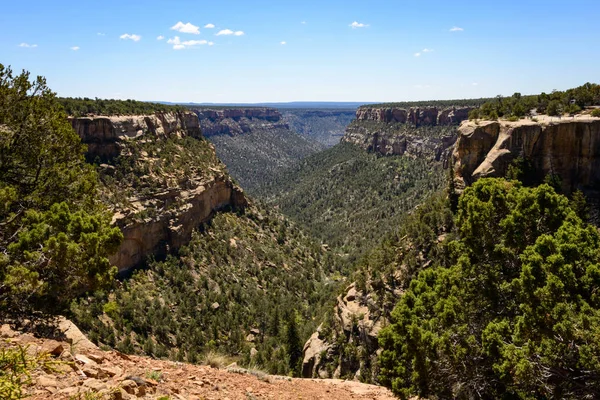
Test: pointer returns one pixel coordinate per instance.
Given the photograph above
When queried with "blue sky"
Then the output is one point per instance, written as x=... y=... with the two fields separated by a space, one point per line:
x=394 y=51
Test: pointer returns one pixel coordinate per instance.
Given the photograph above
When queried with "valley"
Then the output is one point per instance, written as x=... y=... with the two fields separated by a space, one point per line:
x=254 y=143
x=418 y=246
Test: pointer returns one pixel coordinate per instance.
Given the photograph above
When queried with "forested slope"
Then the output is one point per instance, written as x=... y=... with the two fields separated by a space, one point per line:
x=349 y=198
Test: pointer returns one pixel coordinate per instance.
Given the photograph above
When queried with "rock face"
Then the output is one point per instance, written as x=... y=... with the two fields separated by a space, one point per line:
x=233 y=122
x=417 y=116
x=418 y=131
x=569 y=148
x=358 y=320
x=178 y=208
x=173 y=228
x=102 y=134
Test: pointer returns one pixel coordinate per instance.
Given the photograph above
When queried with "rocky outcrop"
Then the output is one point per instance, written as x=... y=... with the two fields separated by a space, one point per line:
x=102 y=134
x=358 y=319
x=417 y=116
x=173 y=227
x=418 y=131
x=237 y=121
x=568 y=147
x=391 y=142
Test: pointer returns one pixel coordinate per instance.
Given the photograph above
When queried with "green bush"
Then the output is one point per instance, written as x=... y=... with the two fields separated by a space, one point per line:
x=596 y=113
x=554 y=108
x=474 y=114
x=514 y=314
x=16 y=366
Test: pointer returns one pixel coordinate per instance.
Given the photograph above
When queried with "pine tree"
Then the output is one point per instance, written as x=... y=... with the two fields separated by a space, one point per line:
x=293 y=344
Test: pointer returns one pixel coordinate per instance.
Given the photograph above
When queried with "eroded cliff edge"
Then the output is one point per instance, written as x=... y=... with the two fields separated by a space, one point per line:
x=103 y=134
x=568 y=148
x=161 y=178
x=237 y=121
x=418 y=131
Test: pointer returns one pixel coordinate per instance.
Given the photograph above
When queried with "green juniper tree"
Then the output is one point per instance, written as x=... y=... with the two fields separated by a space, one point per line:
x=54 y=235
x=516 y=314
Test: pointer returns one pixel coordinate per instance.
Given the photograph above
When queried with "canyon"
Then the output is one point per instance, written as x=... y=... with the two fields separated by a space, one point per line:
x=326 y=126
x=254 y=142
x=565 y=147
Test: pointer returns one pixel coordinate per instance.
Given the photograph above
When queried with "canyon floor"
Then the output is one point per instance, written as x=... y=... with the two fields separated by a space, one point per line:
x=79 y=370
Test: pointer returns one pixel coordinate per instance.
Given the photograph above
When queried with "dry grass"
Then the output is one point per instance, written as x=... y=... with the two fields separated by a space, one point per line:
x=216 y=359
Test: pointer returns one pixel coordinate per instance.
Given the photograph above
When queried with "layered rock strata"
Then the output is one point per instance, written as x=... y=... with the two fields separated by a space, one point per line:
x=102 y=134
x=567 y=147
x=419 y=131
x=234 y=121
x=416 y=116
x=173 y=227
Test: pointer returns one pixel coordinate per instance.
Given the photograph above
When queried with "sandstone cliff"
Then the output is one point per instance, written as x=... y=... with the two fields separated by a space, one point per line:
x=161 y=178
x=237 y=121
x=568 y=147
x=103 y=134
x=171 y=226
x=416 y=116
x=418 y=131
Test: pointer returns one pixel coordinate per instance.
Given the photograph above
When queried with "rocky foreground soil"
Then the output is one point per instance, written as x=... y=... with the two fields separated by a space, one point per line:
x=80 y=370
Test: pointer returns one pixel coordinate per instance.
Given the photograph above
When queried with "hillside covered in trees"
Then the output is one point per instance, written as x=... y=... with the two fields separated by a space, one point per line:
x=351 y=199
x=249 y=284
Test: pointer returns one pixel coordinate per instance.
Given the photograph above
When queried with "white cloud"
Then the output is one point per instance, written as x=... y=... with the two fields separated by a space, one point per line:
x=474 y=83
x=424 y=51
x=456 y=29
x=303 y=22
x=160 y=37
x=357 y=24
x=227 y=32
x=211 y=43
x=75 y=48
x=31 y=46
x=186 y=28
x=179 y=45
x=101 y=34
x=283 y=43
x=135 y=38
x=194 y=42
x=209 y=26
